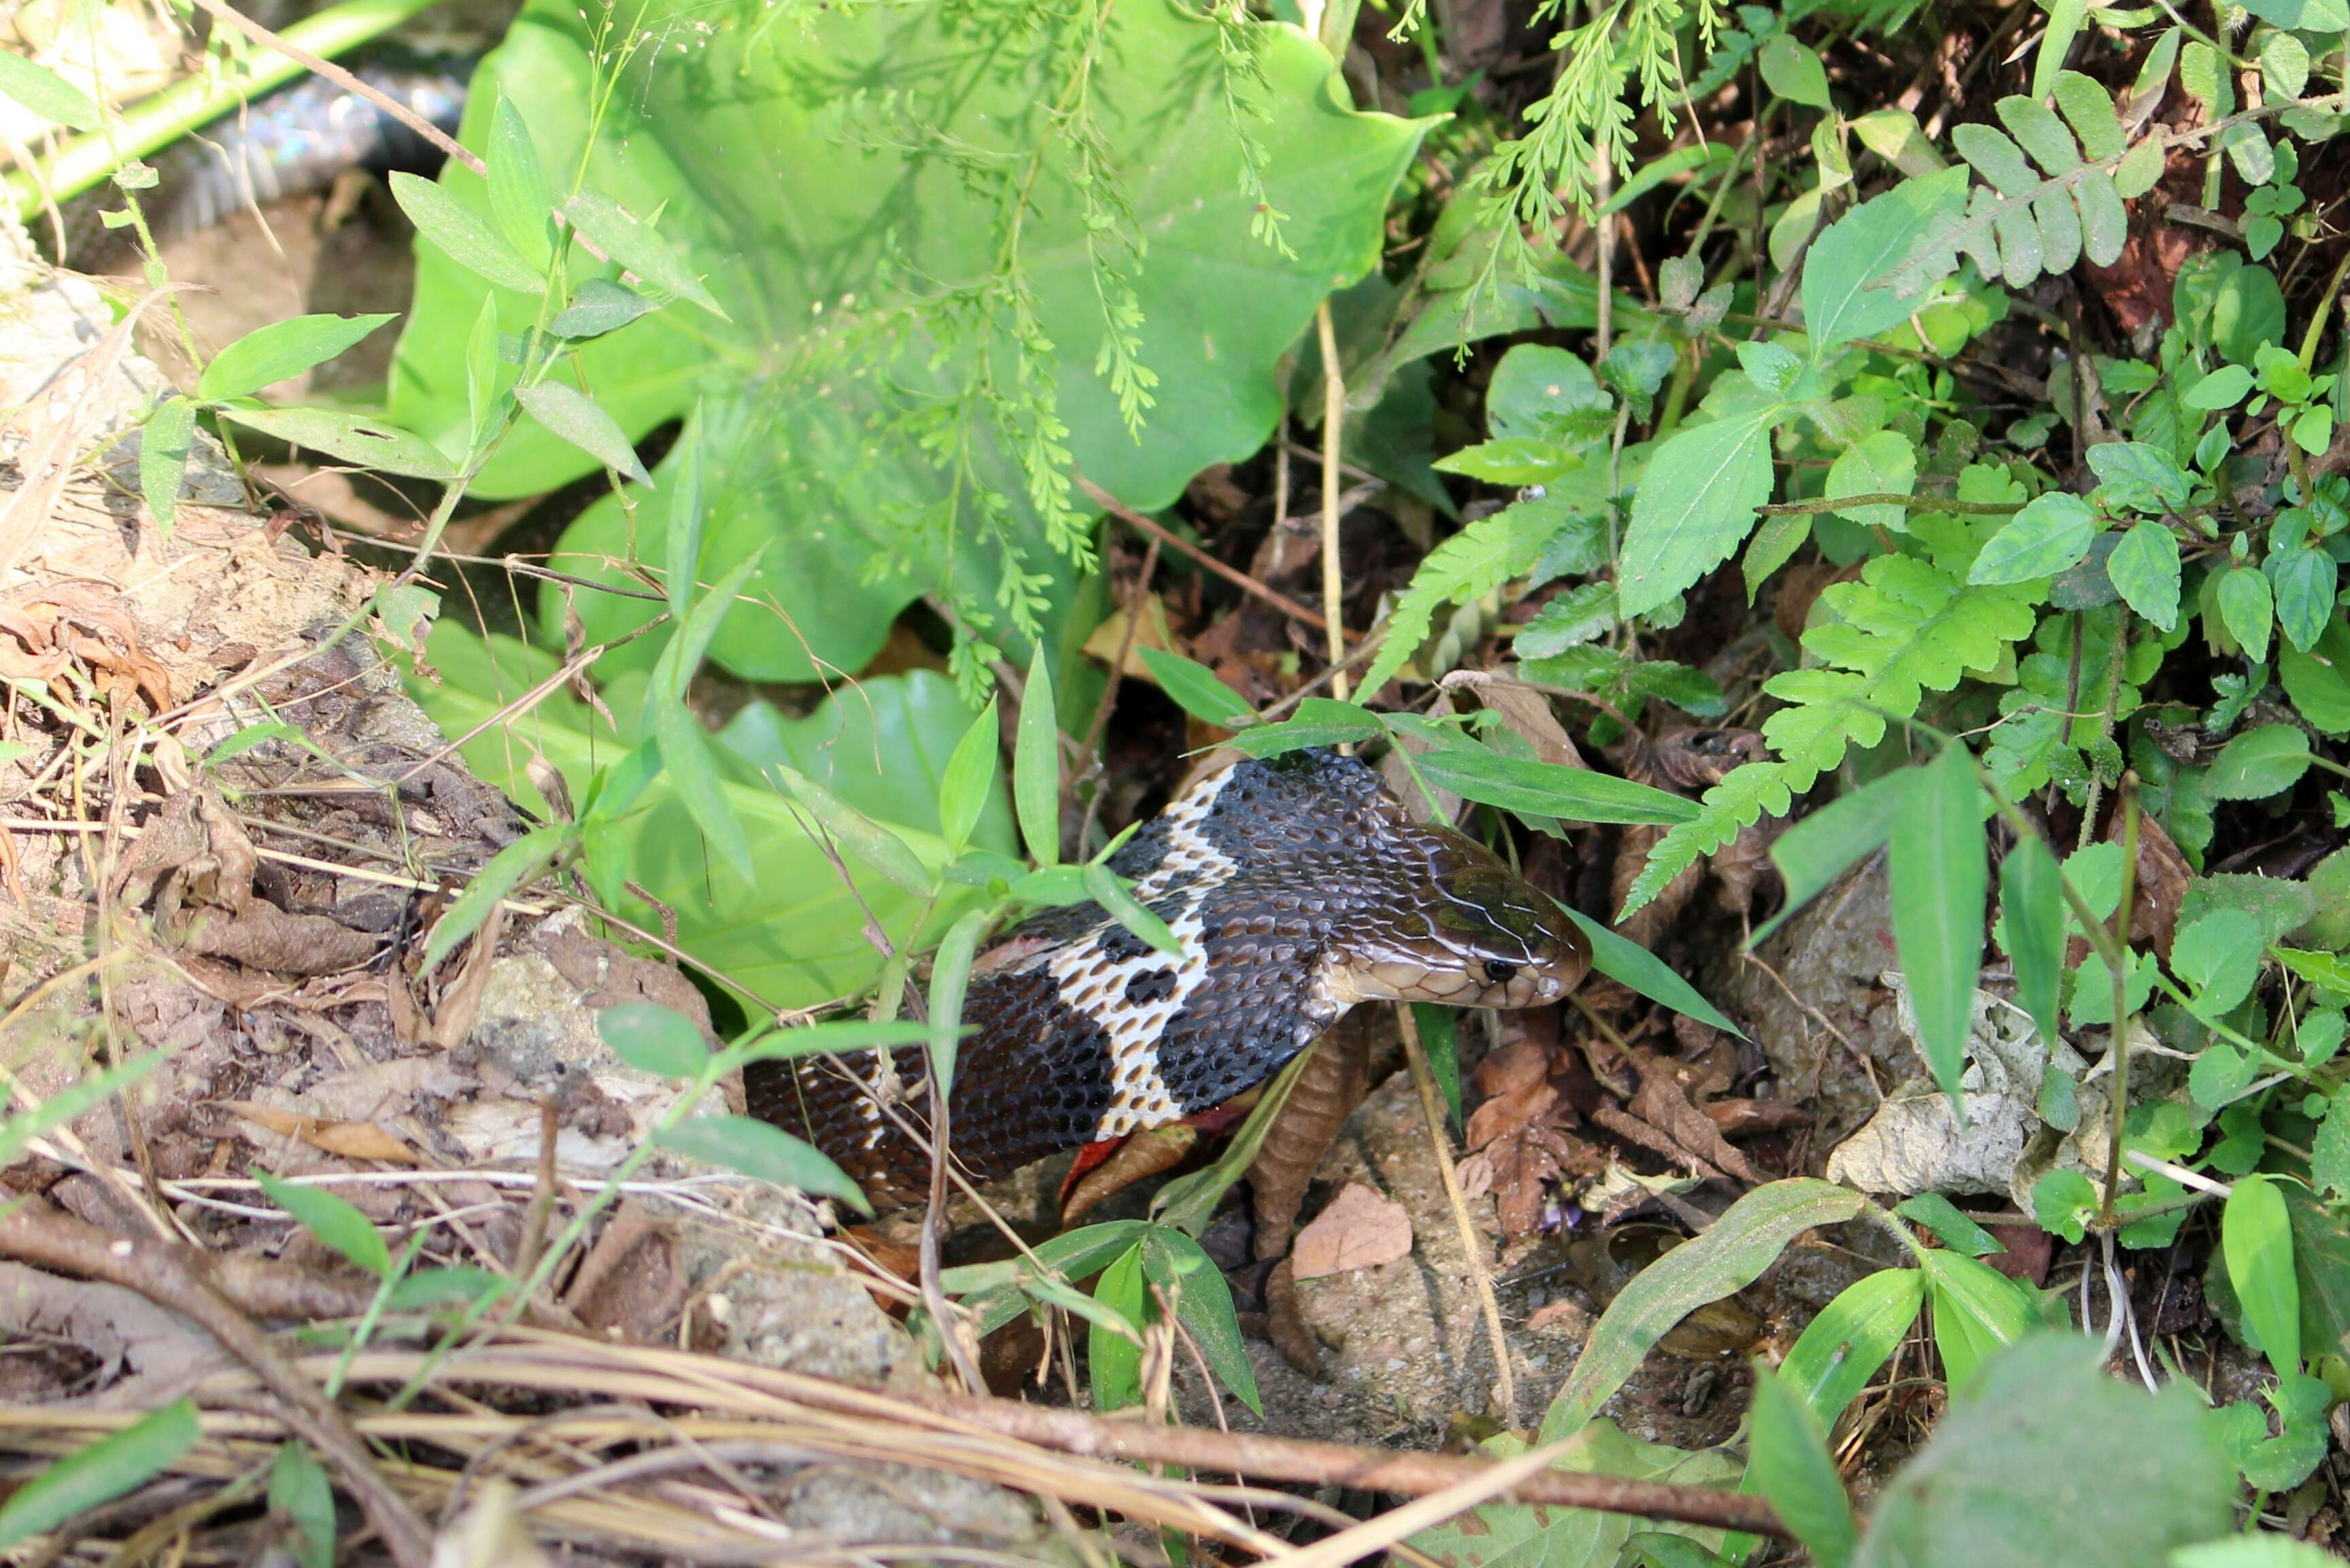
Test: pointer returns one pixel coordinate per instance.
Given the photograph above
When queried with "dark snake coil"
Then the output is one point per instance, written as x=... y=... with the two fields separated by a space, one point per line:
x=1299 y=887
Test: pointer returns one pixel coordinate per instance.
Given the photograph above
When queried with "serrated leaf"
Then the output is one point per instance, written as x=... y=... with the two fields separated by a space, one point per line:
x=2144 y=569
x=1471 y=564
x=2050 y=535
x=1846 y=293
x=1885 y=463
x=2259 y=764
x=2246 y=609
x=2302 y=584
x=1696 y=503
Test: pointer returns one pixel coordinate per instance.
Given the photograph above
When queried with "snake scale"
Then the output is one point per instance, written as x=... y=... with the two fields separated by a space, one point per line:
x=1299 y=887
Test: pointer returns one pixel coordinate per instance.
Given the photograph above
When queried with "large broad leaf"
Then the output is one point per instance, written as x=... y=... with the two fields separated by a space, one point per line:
x=2050 y=1460
x=774 y=153
x=783 y=926
x=1695 y=504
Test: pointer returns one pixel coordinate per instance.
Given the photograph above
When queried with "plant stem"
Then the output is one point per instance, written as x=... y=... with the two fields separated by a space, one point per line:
x=1472 y=1246
x=1334 y=415
x=165 y=117
x=2121 y=996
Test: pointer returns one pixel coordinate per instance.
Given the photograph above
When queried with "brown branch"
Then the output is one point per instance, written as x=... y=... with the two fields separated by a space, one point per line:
x=1233 y=575
x=184 y=1279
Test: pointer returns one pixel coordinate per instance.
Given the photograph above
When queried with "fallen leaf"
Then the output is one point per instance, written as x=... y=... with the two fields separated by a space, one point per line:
x=351 y=1140
x=1358 y=1229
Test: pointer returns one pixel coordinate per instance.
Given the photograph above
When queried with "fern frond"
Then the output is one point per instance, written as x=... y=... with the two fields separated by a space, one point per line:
x=2027 y=220
x=1465 y=568
x=1743 y=797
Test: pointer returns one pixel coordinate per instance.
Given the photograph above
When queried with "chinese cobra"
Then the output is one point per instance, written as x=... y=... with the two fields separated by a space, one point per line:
x=1297 y=888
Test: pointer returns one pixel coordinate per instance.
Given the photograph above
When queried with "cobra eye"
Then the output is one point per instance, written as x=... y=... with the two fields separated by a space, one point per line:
x=1500 y=973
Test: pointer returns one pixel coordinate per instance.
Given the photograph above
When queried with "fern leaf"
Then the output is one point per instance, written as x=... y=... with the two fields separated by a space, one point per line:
x=1465 y=568
x=1743 y=795
x=2040 y=212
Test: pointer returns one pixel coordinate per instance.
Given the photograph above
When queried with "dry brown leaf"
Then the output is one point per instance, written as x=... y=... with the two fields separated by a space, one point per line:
x=350 y=1141
x=1358 y=1229
x=263 y=936
x=1663 y=1105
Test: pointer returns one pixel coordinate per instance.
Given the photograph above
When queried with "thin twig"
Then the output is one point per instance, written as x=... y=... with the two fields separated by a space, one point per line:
x=1233 y=575
x=1333 y=419
x=1472 y=1246
x=1089 y=760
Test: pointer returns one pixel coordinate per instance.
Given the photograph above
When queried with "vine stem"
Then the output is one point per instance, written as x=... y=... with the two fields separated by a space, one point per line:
x=1334 y=415
x=1472 y=1246
x=165 y=117
x=2121 y=996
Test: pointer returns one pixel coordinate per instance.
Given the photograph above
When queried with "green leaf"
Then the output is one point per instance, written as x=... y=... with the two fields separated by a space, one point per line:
x=840 y=1037
x=580 y=420
x=1862 y=248
x=1950 y=1224
x=2221 y=1073
x=520 y=198
x=950 y=984
x=2259 y=764
x=484 y=374
x=2218 y=954
x=1197 y=690
x=2139 y=475
x=331 y=1220
x=869 y=840
x=615 y=230
x=2049 y=1461
x=1814 y=852
x=2303 y=582
x=48 y=94
x=691 y=765
x=300 y=1492
x=1470 y=565
x=2031 y=914
x=1729 y=1256
x=1577 y=616
x=69 y=1104
x=268 y=354
x=1203 y=1304
x=1319 y=721
x=2256 y=1238
x=2329 y=1155
x=1977 y=1310
x=2048 y=536
x=99 y=1473
x=969 y=779
x=2144 y=569
x=1629 y=964
x=360 y=438
x=2318 y=682
x=681 y=539
x=1885 y=463
x=1793 y=71
x=1697 y=501
x=2222 y=389
x=1036 y=766
x=599 y=307
x=518 y=863
x=2245 y=610
x=1940 y=880
x=654 y=1038
x=461 y=235
x=763 y=1151
x=1112 y=894
x=1549 y=789
x=1791 y=1467
x=1114 y=1360
x=163 y=444
x=1439 y=1038
x=1839 y=1351
x=1519 y=1535
x=2062 y=1204
x=2254 y=1551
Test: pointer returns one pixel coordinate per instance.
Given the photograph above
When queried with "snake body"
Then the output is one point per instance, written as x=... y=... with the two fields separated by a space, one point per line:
x=1298 y=887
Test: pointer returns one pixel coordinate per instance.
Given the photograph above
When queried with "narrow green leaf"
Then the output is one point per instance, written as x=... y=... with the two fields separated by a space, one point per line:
x=101 y=1472
x=967 y=779
x=692 y=769
x=654 y=1038
x=949 y=980
x=1820 y=848
x=1549 y=789
x=1106 y=888
x=579 y=418
x=1036 y=764
x=71 y=1103
x=1628 y=963
x=360 y=438
x=598 y=307
x=1196 y=689
x=483 y=405
x=1318 y=721
x=1839 y=1351
x=2256 y=1237
x=518 y=862
x=300 y=1492
x=682 y=564
x=858 y=834
x=2032 y=914
x=2049 y=535
x=2246 y=609
x=164 y=445
x=1790 y=1465
x=268 y=354
x=331 y=1220
x=48 y=94
x=1949 y=1223
x=1940 y=880
x=1977 y=1310
x=766 y=1152
x=1440 y=1039
x=636 y=245
x=520 y=198
x=840 y=1037
x=1203 y=1304
x=459 y=230
x=1729 y=1256
x=2064 y=18
x=1114 y=1359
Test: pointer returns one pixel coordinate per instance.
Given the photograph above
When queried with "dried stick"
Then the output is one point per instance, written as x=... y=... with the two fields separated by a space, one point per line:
x=1233 y=575
x=1334 y=415
x=1472 y=1246
x=180 y=1278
